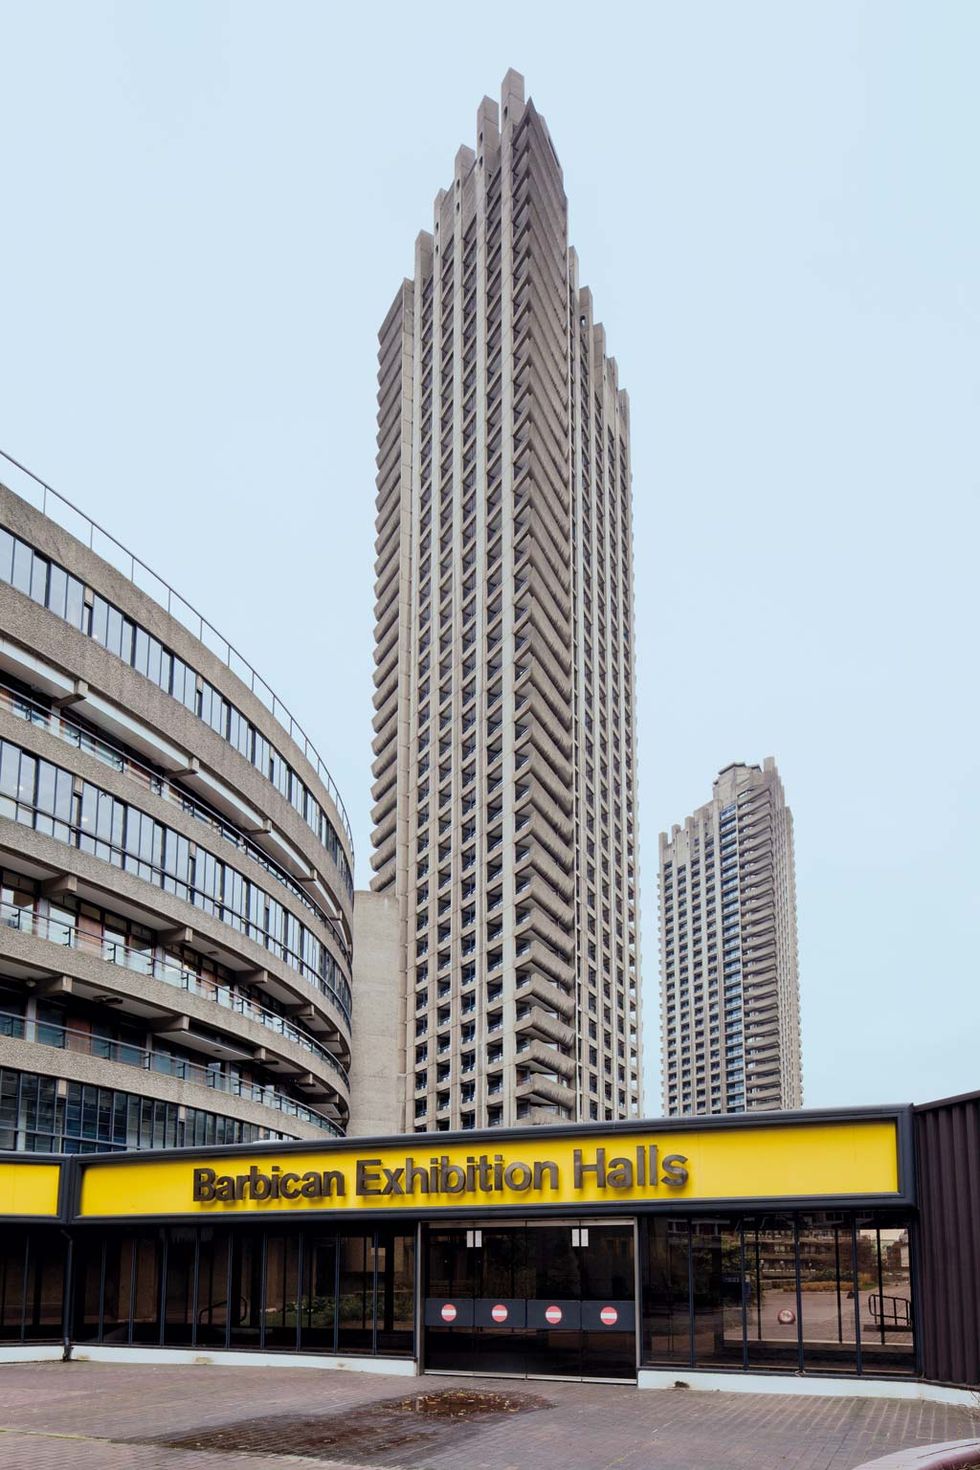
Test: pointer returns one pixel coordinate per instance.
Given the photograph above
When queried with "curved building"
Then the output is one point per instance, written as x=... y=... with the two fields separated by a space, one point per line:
x=177 y=895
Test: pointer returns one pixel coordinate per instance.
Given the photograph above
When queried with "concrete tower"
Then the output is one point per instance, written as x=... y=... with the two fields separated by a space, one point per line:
x=729 y=979
x=505 y=807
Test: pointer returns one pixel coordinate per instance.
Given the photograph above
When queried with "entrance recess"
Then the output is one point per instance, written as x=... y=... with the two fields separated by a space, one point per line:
x=549 y=1299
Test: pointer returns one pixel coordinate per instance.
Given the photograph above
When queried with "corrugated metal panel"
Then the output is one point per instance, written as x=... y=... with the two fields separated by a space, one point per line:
x=947 y=1151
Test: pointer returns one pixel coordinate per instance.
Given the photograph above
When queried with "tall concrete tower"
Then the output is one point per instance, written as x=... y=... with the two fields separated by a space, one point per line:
x=505 y=770
x=729 y=978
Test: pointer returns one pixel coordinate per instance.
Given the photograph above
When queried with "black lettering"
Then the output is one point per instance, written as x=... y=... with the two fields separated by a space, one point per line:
x=392 y=1181
x=226 y=1189
x=259 y=1184
x=674 y=1170
x=204 y=1185
x=581 y=1168
x=415 y=1173
x=619 y=1175
x=312 y=1185
x=543 y=1167
x=367 y=1177
x=286 y=1184
x=452 y=1177
x=518 y=1176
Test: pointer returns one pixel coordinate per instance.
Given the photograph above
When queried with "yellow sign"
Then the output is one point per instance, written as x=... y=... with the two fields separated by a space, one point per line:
x=29 y=1189
x=783 y=1161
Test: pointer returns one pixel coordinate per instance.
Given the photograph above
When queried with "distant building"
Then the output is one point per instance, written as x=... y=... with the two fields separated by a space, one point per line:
x=729 y=976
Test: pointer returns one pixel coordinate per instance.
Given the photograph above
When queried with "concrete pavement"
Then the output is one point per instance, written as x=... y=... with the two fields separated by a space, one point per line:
x=95 y=1416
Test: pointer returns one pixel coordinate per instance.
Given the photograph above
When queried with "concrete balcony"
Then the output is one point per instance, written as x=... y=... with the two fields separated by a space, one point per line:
x=540 y=925
x=532 y=986
x=533 y=954
x=542 y=1057
x=542 y=1088
x=545 y=1025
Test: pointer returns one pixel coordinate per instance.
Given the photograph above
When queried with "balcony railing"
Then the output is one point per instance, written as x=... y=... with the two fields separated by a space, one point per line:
x=65 y=1038
x=143 y=962
x=120 y=760
x=48 y=501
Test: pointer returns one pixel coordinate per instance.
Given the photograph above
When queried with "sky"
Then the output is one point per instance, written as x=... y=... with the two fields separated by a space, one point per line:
x=205 y=211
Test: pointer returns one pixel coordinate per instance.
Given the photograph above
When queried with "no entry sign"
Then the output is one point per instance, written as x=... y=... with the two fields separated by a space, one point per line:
x=499 y=1312
x=448 y=1312
x=552 y=1315
x=609 y=1316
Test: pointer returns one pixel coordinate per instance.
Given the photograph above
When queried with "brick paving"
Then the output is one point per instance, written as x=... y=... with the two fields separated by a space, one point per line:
x=95 y=1416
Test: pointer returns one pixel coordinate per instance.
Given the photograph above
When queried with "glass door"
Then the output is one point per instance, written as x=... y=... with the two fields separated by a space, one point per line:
x=531 y=1299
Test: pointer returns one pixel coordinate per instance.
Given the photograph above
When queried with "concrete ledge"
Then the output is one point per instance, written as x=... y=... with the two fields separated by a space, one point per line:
x=402 y=1367
x=952 y=1455
x=912 y=1390
x=31 y=1352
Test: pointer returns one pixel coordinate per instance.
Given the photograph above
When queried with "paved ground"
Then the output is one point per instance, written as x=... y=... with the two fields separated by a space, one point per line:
x=94 y=1416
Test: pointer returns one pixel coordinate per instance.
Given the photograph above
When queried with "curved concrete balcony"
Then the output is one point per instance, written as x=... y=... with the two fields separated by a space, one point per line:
x=541 y=1057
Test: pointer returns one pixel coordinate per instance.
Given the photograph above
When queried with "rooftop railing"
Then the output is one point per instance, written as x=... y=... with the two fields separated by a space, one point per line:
x=54 y=505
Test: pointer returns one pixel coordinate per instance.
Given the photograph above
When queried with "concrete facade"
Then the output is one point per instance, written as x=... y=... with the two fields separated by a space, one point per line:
x=176 y=916
x=729 y=974
x=377 y=1075
x=505 y=821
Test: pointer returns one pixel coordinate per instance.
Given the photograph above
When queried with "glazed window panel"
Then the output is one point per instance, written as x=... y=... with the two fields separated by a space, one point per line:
x=827 y=1294
x=7 y=544
x=772 y=1327
x=666 y=1291
x=355 y=1305
x=318 y=1304
x=145 y=1323
x=884 y=1295
x=281 y=1291
x=88 y=1269
x=212 y=1315
x=396 y=1292
x=179 y=1288
x=245 y=1297
x=718 y=1292
x=117 y=1288
x=23 y=567
x=52 y=586
x=13 y=1267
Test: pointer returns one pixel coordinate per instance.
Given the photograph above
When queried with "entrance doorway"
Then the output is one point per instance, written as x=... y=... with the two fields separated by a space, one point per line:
x=530 y=1299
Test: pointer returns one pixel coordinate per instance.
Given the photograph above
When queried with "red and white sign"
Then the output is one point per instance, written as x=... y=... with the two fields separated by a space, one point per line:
x=499 y=1312
x=448 y=1313
x=552 y=1315
x=609 y=1316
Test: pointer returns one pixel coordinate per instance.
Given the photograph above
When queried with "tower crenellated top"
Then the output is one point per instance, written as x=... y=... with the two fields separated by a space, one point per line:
x=512 y=97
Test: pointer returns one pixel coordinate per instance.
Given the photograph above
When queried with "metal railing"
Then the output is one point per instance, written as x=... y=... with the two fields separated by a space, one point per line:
x=117 y=759
x=54 y=505
x=890 y=1313
x=182 y=887
x=149 y=962
x=86 y=1043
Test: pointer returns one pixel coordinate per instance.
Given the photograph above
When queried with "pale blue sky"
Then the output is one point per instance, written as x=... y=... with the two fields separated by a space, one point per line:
x=205 y=212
